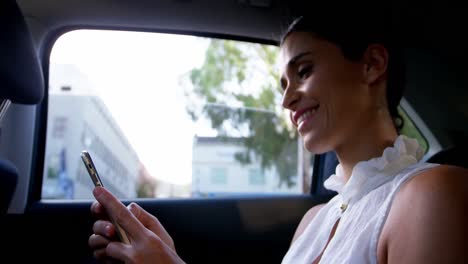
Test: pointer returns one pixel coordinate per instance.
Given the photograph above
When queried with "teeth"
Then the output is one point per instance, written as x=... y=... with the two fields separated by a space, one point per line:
x=305 y=115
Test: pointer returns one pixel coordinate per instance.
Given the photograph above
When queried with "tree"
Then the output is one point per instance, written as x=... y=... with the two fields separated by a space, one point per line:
x=237 y=86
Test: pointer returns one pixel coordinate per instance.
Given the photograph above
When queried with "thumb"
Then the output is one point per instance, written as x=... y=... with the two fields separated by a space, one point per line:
x=151 y=222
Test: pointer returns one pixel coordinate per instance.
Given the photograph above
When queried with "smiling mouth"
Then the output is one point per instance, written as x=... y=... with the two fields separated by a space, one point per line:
x=307 y=115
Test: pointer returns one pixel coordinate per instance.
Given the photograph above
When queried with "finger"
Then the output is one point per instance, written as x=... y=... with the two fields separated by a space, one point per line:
x=147 y=219
x=100 y=254
x=104 y=228
x=98 y=211
x=97 y=242
x=119 y=251
x=96 y=208
x=117 y=211
x=151 y=222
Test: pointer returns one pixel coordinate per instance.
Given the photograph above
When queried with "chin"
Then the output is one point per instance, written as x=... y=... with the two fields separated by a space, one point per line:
x=316 y=144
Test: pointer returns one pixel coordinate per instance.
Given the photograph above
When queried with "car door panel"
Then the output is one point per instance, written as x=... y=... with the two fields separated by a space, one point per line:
x=224 y=230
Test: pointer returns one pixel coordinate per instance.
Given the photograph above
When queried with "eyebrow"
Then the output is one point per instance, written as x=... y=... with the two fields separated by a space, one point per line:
x=297 y=57
x=294 y=61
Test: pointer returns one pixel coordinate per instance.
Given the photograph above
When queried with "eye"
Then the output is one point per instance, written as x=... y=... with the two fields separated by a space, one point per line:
x=283 y=83
x=304 y=71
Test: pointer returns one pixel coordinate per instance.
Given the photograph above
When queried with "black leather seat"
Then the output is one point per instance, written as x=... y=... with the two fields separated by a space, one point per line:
x=451 y=156
x=456 y=153
x=21 y=81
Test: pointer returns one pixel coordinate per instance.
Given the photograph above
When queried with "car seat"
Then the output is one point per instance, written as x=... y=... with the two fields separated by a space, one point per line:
x=455 y=155
x=21 y=81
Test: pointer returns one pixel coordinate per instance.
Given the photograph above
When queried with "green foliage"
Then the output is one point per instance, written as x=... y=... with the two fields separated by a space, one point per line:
x=145 y=191
x=236 y=73
x=410 y=130
x=223 y=62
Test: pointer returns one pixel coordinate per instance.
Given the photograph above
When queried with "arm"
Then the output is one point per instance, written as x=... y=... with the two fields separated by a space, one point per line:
x=428 y=220
x=306 y=219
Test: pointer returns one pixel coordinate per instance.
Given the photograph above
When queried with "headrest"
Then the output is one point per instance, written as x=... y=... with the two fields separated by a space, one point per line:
x=21 y=78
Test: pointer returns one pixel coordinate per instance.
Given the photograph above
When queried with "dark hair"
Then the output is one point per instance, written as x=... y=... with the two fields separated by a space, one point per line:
x=353 y=32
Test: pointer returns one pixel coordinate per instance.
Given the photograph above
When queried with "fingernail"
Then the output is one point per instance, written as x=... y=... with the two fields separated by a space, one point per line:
x=132 y=207
x=108 y=230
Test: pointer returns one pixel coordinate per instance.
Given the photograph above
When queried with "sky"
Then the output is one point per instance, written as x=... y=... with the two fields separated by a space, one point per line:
x=137 y=76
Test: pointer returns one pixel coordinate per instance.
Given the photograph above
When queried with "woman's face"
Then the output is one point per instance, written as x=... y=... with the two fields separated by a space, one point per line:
x=327 y=95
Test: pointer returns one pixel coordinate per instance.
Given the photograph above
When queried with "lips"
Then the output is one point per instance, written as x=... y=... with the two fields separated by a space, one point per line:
x=304 y=114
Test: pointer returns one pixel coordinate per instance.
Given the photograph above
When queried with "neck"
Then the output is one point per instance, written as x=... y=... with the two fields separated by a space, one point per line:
x=366 y=144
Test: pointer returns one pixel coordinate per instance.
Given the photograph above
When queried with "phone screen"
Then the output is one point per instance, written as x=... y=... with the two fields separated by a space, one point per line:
x=88 y=162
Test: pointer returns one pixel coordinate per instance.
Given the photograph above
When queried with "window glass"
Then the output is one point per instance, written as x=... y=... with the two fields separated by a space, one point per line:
x=256 y=177
x=166 y=116
x=218 y=176
x=409 y=129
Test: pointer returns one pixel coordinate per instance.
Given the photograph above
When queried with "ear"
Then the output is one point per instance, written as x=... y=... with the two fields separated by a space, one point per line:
x=376 y=62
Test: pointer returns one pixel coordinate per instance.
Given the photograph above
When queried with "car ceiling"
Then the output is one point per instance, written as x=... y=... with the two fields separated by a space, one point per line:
x=431 y=28
x=431 y=21
x=232 y=17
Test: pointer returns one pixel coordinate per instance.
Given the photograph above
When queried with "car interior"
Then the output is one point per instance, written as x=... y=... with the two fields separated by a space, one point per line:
x=227 y=229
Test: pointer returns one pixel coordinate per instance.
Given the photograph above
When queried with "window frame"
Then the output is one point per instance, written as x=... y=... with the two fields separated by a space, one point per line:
x=38 y=161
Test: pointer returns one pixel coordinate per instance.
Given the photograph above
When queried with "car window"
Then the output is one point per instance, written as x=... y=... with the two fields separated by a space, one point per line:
x=167 y=116
x=411 y=130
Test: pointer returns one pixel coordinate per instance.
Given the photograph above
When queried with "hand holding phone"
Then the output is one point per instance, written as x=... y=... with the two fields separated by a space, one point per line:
x=88 y=162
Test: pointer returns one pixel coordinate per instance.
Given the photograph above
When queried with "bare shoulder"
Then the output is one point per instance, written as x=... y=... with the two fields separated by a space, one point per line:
x=427 y=218
x=433 y=190
x=306 y=219
x=442 y=176
x=436 y=186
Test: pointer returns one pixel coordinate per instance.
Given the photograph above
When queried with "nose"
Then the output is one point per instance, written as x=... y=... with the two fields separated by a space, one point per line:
x=290 y=97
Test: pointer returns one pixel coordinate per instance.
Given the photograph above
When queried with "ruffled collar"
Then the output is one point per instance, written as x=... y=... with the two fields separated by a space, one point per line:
x=368 y=175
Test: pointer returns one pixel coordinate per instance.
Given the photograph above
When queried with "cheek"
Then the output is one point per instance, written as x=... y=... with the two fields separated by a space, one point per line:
x=340 y=102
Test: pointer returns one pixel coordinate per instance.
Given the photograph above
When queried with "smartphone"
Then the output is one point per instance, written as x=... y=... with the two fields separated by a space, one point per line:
x=88 y=162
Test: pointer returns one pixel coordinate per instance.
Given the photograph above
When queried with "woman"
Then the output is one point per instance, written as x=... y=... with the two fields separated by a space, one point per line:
x=342 y=87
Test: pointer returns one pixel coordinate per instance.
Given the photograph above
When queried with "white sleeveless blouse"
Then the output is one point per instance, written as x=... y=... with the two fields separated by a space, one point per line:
x=362 y=203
